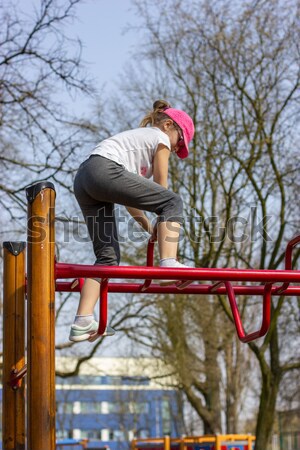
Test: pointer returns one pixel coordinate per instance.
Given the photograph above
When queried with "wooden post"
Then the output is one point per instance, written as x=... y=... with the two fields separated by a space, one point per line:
x=13 y=412
x=182 y=445
x=41 y=316
x=167 y=443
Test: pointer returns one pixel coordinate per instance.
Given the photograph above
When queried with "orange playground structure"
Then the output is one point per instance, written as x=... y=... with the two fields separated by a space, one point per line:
x=217 y=442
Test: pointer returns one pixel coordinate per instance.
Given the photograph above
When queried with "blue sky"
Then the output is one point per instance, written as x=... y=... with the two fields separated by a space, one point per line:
x=100 y=25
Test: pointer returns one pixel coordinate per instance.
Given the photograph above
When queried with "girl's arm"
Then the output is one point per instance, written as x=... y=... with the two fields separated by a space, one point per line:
x=161 y=165
x=160 y=176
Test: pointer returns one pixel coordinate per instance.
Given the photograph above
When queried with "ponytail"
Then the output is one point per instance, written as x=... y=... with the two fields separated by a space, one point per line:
x=156 y=116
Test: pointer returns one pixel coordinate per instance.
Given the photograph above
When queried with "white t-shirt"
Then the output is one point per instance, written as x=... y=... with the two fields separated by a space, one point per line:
x=134 y=149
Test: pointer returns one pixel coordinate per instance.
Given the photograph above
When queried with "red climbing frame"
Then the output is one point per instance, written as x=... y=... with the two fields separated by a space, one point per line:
x=44 y=275
x=222 y=284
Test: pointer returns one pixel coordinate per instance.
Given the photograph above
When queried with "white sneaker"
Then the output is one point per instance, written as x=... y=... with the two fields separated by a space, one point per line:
x=109 y=331
x=177 y=265
x=88 y=333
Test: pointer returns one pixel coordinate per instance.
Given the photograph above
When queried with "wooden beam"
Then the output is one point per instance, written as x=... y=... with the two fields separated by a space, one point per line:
x=13 y=412
x=41 y=317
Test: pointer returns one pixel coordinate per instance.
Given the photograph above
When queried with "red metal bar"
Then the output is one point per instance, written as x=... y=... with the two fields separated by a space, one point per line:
x=103 y=306
x=201 y=289
x=64 y=270
x=150 y=253
x=288 y=260
x=289 y=250
x=184 y=277
x=150 y=263
x=237 y=319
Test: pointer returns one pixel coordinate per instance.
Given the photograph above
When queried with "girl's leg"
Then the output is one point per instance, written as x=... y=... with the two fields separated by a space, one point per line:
x=168 y=237
x=100 y=183
x=103 y=180
x=100 y=220
x=88 y=297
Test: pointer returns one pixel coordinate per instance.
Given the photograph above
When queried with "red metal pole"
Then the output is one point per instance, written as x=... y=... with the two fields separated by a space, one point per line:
x=103 y=307
x=64 y=270
x=195 y=289
x=288 y=260
x=266 y=317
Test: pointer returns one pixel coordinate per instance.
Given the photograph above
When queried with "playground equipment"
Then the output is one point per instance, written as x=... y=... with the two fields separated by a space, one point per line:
x=217 y=442
x=45 y=275
x=72 y=443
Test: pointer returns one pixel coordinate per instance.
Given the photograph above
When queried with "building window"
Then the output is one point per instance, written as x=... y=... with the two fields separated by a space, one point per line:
x=64 y=408
x=111 y=408
x=119 y=435
x=116 y=408
x=91 y=434
x=100 y=380
x=89 y=379
x=113 y=435
x=138 y=408
x=76 y=408
x=166 y=417
x=63 y=434
x=113 y=380
x=131 y=435
x=104 y=408
x=76 y=433
x=143 y=433
x=90 y=407
x=105 y=434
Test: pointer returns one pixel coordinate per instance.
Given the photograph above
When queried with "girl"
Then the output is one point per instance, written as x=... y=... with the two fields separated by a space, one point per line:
x=118 y=171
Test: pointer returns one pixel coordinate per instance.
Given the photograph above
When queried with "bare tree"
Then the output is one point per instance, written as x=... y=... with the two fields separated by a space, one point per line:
x=39 y=66
x=235 y=68
x=40 y=69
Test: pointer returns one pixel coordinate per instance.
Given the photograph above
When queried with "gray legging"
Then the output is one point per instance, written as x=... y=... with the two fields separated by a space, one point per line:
x=99 y=183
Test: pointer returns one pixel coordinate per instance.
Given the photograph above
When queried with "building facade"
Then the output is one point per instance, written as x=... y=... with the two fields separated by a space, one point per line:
x=114 y=400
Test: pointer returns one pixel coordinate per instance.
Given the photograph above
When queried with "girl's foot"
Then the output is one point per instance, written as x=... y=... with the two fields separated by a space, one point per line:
x=83 y=333
x=174 y=264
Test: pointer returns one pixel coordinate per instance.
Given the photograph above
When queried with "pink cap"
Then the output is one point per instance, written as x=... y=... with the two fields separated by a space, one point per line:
x=184 y=121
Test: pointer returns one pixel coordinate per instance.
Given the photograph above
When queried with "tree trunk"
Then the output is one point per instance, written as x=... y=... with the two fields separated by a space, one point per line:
x=271 y=377
x=213 y=382
x=267 y=408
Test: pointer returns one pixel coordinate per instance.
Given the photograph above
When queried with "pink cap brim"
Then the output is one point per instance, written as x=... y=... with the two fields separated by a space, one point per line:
x=183 y=152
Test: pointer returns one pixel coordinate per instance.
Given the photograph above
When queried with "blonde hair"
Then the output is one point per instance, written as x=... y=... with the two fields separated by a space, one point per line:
x=156 y=116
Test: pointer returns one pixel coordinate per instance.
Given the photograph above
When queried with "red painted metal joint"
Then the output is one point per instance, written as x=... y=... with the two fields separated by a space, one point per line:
x=266 y=316
x=103 y=306
x=288 y=260
x=16 y=377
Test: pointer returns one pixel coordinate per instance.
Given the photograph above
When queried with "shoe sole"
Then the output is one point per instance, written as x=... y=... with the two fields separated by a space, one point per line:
x=91 y=336
x=83 y=337
x=96 y=336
